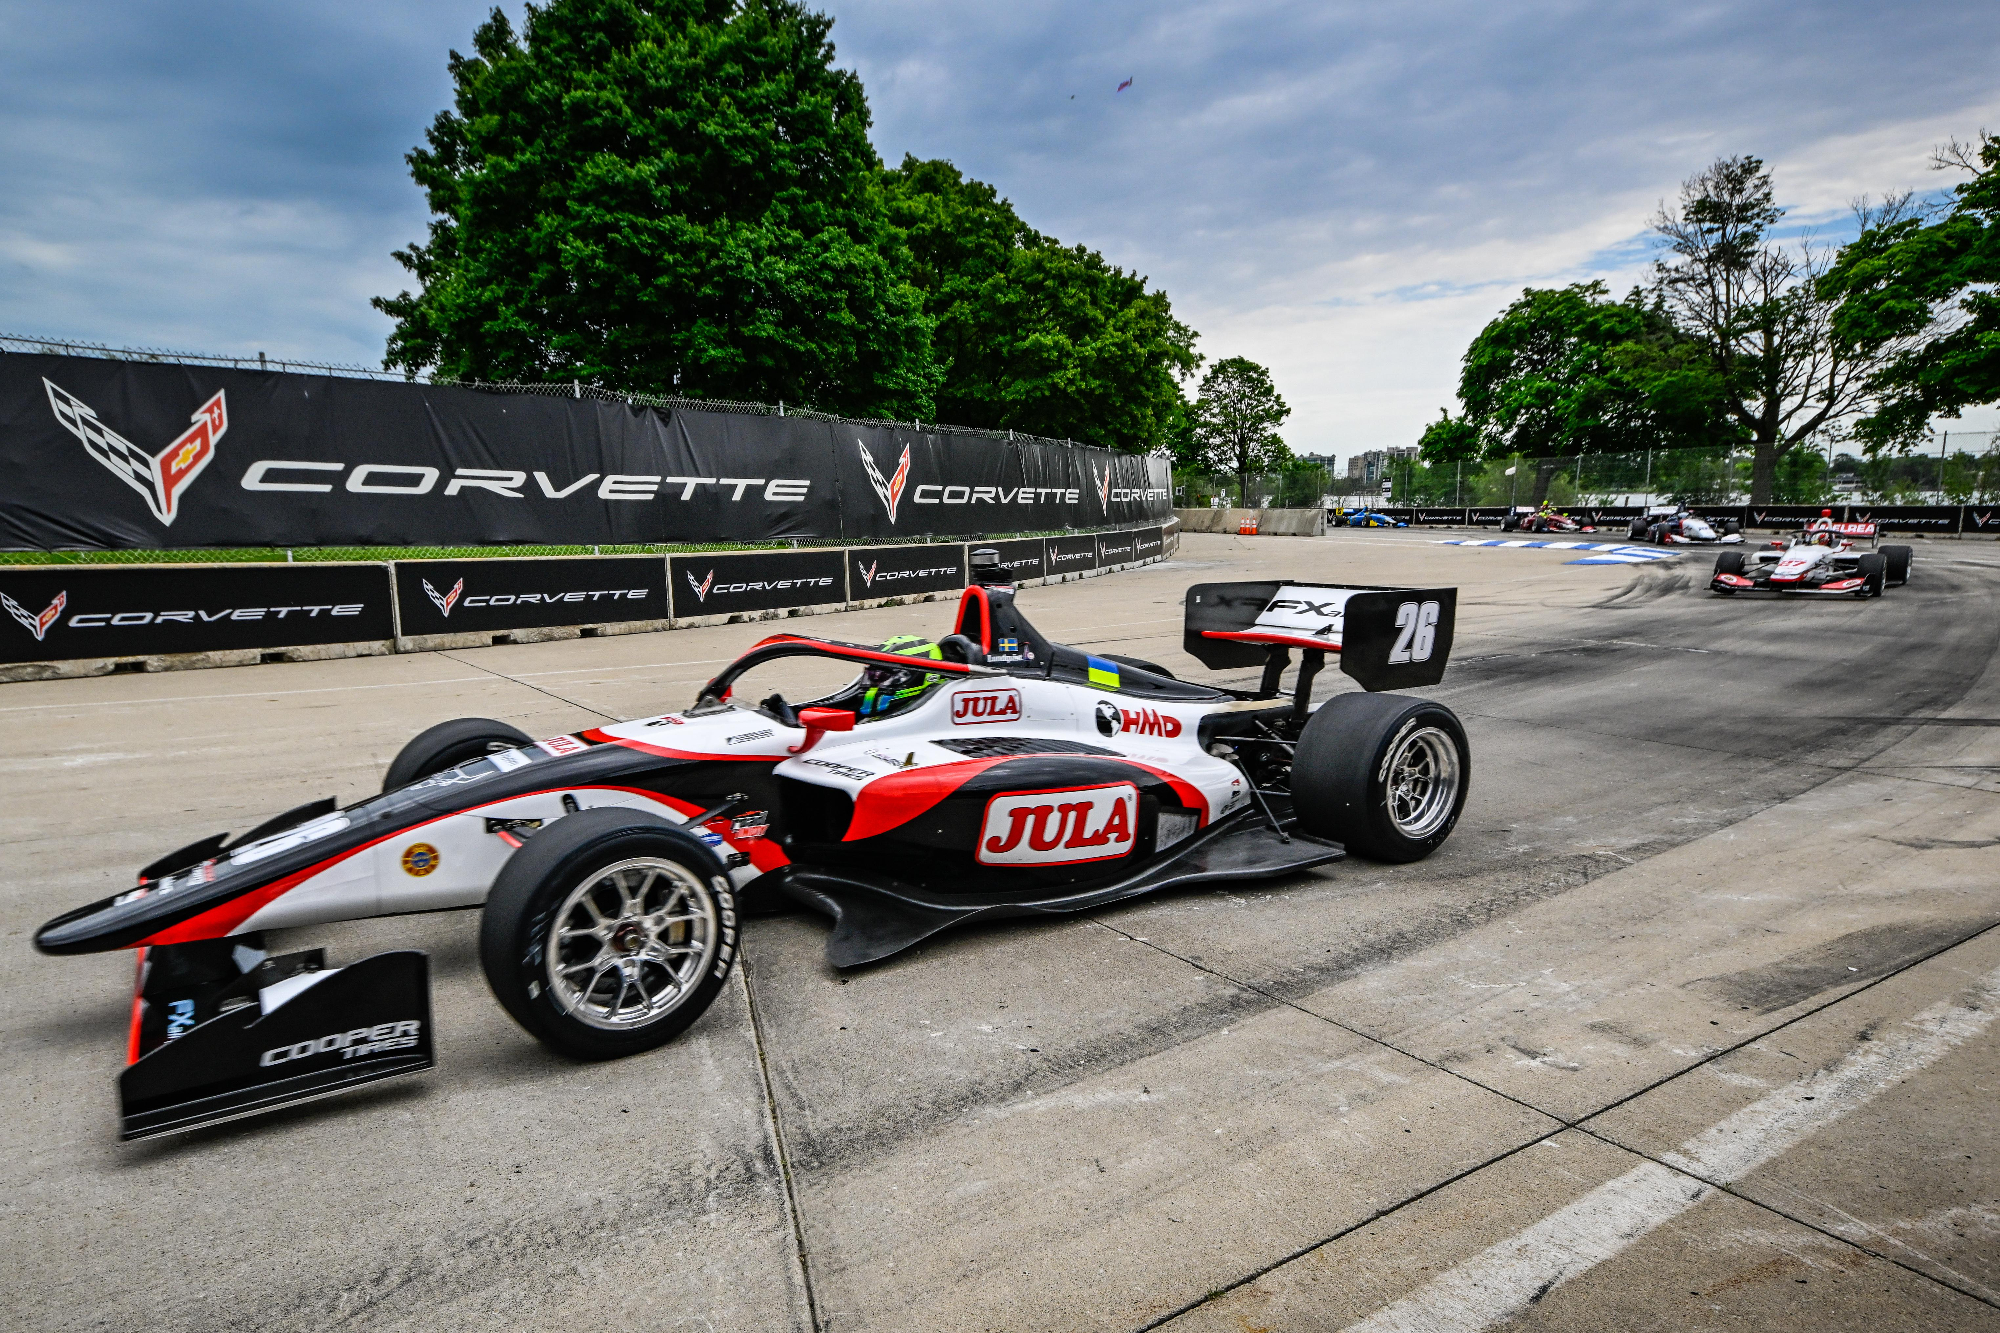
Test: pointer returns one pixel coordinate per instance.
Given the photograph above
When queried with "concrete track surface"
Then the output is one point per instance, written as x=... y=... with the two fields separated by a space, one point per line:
x=1688 y=1027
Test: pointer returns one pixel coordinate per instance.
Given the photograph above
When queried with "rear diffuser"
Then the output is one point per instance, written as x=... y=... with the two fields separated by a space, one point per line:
x=313 y=1035
x=875 y=917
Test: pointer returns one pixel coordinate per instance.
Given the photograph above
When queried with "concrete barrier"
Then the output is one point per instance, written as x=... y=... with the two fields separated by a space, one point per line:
x=1270 y=522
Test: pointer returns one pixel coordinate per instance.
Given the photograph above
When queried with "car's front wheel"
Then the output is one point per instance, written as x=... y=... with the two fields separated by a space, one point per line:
x=449 y=744
x=1383 y=774
x=1873 y=570
x=1896 y=564
x=609 y=933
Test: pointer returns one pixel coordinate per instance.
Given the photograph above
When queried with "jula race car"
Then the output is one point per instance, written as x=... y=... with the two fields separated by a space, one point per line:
x=1819 y=559
x=990 y=774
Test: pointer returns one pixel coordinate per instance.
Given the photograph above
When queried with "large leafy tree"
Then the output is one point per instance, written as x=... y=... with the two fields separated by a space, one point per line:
x=1030 y=334
x=667 y=195
x=1236 y=421
x=1758 y=311
x=1928 y=285
x=1569 y=371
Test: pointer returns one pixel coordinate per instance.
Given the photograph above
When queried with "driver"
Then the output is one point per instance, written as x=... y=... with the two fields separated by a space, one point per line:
x=1822 y=539
x=890 y=689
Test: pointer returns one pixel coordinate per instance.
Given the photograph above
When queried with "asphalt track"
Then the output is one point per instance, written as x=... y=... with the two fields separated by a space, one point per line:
x=1687 y=1026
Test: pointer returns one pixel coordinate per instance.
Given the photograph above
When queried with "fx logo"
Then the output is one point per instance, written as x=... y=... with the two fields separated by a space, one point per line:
x=890 y=492
x=159 y=478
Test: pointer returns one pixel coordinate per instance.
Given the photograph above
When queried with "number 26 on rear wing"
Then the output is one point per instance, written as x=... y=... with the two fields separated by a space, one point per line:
x=1386 y=638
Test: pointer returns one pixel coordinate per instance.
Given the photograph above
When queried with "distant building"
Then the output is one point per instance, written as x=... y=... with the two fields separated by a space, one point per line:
x=1373 y=466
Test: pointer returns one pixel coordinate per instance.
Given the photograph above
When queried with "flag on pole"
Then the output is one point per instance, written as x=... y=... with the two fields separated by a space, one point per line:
x=1123 y=86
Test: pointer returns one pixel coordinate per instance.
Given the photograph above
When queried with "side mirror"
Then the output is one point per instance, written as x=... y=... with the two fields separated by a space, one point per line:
x=819 y=721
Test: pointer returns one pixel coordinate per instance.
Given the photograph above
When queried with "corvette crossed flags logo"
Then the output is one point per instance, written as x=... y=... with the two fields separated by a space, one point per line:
x=448 y=600
x=37 y=625
x=890 y=491
x=159 y=478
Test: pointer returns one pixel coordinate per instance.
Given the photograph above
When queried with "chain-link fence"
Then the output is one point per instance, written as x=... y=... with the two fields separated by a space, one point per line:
x=1955 y=467
x=550 y=389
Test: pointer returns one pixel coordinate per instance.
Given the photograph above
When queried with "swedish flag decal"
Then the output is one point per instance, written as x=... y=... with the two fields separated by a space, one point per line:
x=1103 y=674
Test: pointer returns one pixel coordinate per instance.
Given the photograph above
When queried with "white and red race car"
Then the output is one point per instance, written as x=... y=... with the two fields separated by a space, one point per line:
x=1673 y=525
x=993 y=773
x=1820 y=558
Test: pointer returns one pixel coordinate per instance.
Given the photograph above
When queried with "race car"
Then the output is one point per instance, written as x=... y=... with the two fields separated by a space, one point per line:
x=992 y=773
x=1820 y=558
x=1363 y=518
x=1673 y=525
x=1544 y=519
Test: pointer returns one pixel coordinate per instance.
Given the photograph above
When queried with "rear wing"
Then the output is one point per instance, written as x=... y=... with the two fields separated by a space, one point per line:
x=1386 y=638
x=1868 y=530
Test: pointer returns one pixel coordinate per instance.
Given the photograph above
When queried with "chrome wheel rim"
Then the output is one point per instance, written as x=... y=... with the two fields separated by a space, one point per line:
x=1423 y=781
x=630 y=943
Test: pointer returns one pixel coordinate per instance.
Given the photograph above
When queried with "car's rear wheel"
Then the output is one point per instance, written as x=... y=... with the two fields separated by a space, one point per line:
x=1638 y=531
x=1384 y=774
x=609 y=933
x=449 y=744
x=1897 y=568
x=1873 y=569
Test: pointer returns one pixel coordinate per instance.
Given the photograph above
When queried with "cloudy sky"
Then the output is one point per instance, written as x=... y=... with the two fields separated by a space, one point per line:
x=1345 y=192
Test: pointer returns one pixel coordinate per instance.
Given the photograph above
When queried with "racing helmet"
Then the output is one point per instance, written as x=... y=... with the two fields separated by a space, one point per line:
x=892 y=689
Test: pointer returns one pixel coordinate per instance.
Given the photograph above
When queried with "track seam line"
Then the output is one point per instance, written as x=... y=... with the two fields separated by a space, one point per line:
x=777 y=1132
x=525 y=685
x=1562 y=1122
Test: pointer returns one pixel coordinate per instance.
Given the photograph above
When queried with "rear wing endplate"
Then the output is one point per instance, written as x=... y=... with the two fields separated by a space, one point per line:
x=1386 y=638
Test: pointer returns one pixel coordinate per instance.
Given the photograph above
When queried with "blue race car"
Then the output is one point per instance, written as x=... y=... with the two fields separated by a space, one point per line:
x=1363 y=518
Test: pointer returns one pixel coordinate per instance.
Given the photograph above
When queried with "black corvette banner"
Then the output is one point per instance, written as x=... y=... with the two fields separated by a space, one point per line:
x=49 y=614
x=1024 y=558
x=1071 y=555
x=899 y=571
x=461 y=596
x=105 y=454
x=713 y=585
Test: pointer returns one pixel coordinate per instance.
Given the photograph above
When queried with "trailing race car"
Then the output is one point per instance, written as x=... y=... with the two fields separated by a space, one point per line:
x=1545 y=519
x=1820 y=558
x=1673 y=525
x=1364 y=518
x=990 y=774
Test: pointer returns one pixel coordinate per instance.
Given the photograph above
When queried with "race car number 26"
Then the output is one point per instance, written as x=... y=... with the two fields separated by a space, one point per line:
x=1418 y=626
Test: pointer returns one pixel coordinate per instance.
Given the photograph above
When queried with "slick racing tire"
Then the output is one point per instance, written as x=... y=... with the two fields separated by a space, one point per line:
x=608 y=933
x=1729 y=562
x=1638 y=532
x=1384 y=774
x=1142 y=664
x=449 y=744
x=1897 y=562
x=1873 y=569
x=1732 y=527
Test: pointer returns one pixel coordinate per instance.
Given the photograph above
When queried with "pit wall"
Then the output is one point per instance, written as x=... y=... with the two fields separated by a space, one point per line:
x=81 y=620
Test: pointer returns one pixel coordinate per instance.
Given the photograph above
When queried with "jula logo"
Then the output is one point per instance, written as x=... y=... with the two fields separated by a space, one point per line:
x=159 y=478
x=1059 y=827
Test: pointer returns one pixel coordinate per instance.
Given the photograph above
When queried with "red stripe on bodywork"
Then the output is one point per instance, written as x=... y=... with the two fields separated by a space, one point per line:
x=221 y=920
x=599 y=735
x=1269 y=636
x=763 y=853
x=895 y=799
x=138 y=1009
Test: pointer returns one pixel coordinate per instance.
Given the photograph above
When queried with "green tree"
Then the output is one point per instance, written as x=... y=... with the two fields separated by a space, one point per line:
x=1568 y=371
x=667 y=195
x=1030 y=334
x=1930 y=286
x=1757 y=310
x=1236 y=421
